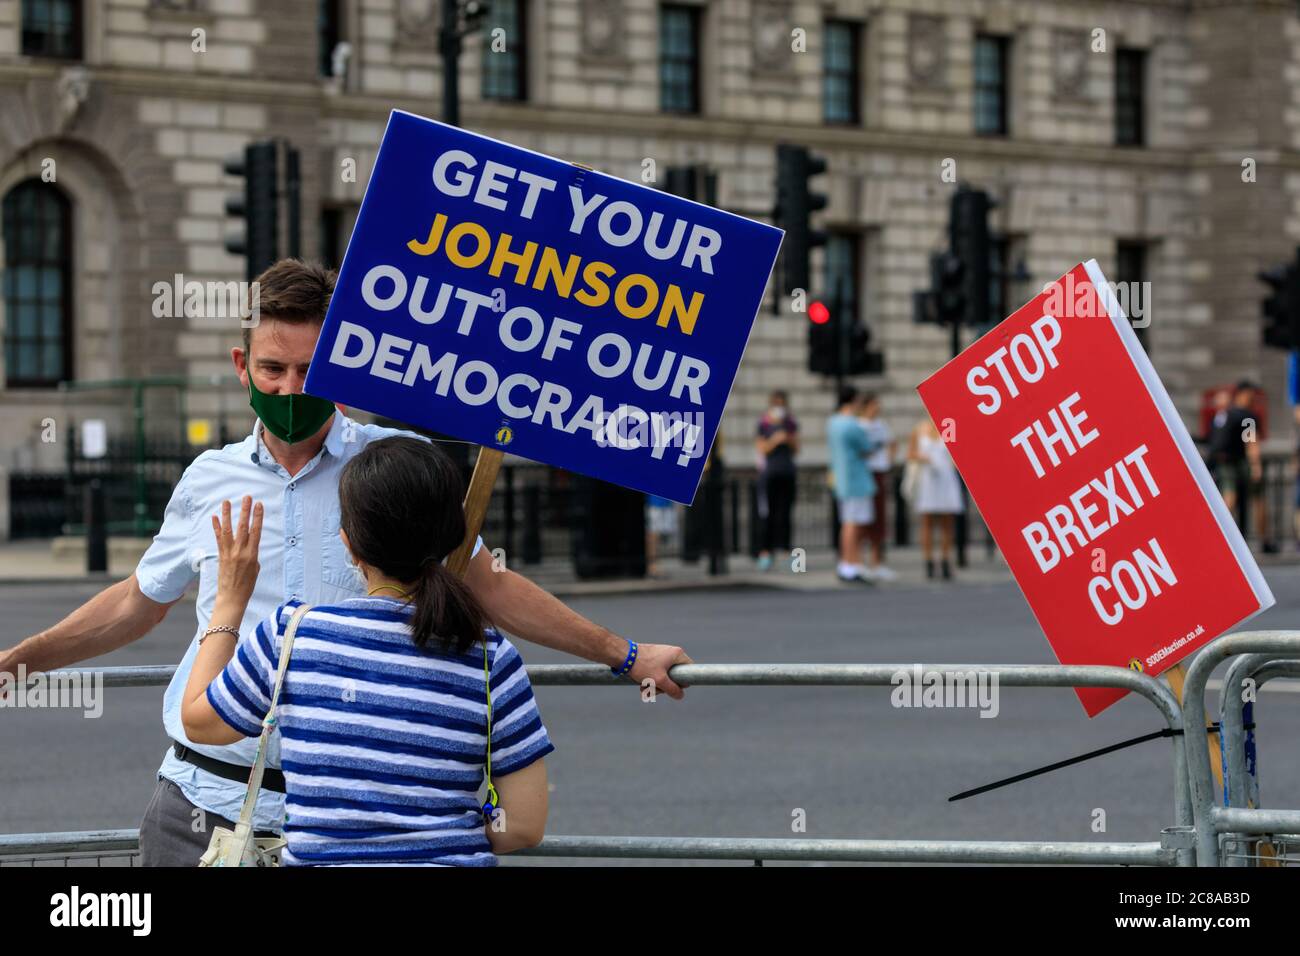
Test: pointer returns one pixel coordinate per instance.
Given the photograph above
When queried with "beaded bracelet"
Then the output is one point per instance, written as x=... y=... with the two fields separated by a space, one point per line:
x=627 y=662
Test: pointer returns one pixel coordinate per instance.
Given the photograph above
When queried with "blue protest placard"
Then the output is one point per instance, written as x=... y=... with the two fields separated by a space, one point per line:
x=538 y=307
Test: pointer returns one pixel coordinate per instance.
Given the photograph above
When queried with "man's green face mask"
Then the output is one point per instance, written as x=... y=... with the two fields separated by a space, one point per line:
x=290 y=418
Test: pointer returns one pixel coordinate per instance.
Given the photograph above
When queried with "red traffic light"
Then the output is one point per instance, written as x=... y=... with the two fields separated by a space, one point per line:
x=818 y=314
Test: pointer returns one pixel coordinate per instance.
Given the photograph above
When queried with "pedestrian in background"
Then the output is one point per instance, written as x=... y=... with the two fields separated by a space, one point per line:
x=777 y=444
x=661 y=520
x=1233 y=455
x=938 y=494
x=849 y=447
x=881 y=464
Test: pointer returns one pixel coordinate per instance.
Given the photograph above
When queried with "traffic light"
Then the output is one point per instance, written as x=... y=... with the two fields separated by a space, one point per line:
x=960 y=275
x=795 y=204
x=948 y=280
x=696 y=181
x=859 y=359
x=838 y=343
x=823 y=344
x=260 y=164
x=1281 y=309
x=968 y=240
x=925 y=307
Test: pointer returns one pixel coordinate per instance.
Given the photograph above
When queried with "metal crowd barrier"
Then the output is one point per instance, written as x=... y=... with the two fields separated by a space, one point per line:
x=1241 y=784
x=1211 y=820
x=68 y=848
x=1174 y=847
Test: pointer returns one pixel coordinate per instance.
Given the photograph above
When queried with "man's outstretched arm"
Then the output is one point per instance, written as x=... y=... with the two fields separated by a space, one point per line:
x=113 y=618
x=519 y=606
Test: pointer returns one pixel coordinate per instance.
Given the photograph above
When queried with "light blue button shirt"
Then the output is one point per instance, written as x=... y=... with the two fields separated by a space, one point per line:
x=301 y=556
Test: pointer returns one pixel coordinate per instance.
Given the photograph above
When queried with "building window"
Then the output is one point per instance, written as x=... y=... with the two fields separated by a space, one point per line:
x=335 y=229
x=505 y=67
x=329 y=30
x=37 y=285
x=843 y=278
x=840 y=92
x=52 y=28
x=991 y=85
x=1130 y=275
x=1130 y=84
x=679 y=58
x=331 y=237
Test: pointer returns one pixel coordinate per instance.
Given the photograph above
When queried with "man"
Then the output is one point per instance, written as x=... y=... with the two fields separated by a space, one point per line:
x=1234 y=453
x=849 y=446
x=291 y=464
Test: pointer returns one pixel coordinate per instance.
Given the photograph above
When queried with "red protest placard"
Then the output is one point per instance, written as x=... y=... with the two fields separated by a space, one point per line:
x=1091 y=485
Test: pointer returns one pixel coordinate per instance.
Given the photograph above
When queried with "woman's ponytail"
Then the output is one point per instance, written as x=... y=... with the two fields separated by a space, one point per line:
x=445 y=609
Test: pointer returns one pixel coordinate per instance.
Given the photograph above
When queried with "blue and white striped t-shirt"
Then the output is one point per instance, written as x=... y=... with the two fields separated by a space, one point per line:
x=382 y=744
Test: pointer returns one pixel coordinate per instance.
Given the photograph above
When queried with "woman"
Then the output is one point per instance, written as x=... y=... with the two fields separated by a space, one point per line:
x=383 y=714
x=938 y=494
x=776 y=443
x=881 y=463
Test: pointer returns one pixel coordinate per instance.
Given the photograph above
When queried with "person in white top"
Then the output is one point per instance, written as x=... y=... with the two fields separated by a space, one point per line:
x=881 y=463
x=938 y=494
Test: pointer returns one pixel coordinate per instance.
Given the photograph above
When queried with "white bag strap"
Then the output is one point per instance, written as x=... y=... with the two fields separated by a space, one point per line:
x=245 y=822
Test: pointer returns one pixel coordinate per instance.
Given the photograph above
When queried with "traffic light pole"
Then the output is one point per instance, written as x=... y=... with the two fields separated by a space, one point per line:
x=959 y=293
x=270 y=204
x=293 y=199
x=843 y=332
x=449 y=46
x=962 y=525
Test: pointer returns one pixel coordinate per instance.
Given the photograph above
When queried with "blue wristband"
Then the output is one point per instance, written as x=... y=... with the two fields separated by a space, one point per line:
x=627 y=662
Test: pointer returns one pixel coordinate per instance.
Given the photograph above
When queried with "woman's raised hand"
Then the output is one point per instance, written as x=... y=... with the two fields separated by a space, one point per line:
x=237 y=550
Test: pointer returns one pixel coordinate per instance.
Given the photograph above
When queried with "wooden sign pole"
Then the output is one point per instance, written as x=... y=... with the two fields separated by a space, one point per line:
x=1177 y=676
x=476 y=502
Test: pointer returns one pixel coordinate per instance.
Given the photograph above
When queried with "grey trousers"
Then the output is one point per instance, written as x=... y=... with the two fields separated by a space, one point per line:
x=174 y=832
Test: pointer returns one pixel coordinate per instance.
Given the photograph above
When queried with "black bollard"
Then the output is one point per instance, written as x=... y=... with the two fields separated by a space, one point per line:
x=734 y=485
x=962 y=531
x=715 y=533
x=508 y=505
x=693 y=535
x=902 y=533
x=96 y=529
x=532 y=524
x=835 y=523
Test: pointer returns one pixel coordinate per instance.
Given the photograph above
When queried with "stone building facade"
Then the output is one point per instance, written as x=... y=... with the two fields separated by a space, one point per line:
x=134 y=104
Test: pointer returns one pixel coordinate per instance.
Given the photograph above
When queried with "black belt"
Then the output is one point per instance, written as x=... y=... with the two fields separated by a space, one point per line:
x=271 y=779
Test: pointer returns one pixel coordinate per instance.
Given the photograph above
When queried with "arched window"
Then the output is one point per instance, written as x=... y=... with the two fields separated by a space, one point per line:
x=37 y=285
